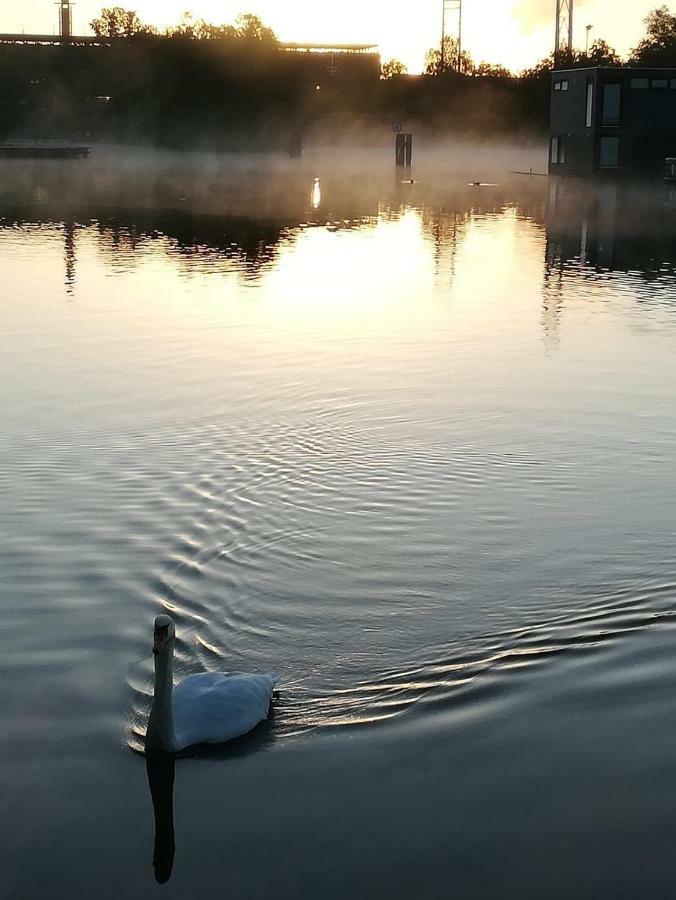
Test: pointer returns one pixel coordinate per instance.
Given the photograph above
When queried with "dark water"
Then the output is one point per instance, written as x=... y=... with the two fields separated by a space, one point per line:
x=412 y=446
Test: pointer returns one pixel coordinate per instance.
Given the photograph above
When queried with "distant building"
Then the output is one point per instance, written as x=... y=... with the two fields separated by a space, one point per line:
x=612 y=121
x=324 y=64
x=172 y=91
x=320 y=64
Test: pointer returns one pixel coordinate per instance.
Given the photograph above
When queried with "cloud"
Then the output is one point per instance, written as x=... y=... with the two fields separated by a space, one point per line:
x=621 y=28
x=534 y=14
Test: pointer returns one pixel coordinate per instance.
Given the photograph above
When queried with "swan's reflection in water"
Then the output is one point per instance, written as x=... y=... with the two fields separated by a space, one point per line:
x=161 y=782
x=161 y=770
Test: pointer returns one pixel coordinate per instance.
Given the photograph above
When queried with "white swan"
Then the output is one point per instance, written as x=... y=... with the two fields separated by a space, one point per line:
x=209 y=708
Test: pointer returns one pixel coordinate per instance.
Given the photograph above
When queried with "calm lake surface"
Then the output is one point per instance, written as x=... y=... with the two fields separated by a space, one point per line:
x=410 y=445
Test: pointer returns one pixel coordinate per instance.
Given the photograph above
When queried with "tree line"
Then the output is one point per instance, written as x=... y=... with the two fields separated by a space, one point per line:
x=116 y=22
x=656 y=49
x=199 y=84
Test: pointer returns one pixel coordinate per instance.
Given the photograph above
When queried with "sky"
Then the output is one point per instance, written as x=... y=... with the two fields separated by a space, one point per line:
x=515 y=33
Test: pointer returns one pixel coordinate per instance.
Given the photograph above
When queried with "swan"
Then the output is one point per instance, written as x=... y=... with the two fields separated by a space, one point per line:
x=208 y=708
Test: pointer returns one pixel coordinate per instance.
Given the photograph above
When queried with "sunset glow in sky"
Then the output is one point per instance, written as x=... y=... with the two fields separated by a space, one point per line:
x=513 y=32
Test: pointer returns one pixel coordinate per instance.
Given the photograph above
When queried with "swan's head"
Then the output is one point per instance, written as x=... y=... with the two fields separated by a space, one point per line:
x=163 y=634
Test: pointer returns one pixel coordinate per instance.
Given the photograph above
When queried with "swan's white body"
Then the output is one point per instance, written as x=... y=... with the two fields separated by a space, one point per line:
x=209 y=708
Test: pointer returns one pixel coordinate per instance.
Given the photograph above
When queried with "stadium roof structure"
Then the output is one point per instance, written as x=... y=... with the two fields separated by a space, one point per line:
x=329 y=47
x=51 y=39
x=294 y=46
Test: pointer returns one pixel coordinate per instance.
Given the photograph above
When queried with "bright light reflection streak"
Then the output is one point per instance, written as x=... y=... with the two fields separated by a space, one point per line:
x=316 y=194
x=350 y=276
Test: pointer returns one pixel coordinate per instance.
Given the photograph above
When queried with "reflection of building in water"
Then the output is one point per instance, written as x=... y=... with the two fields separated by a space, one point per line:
x=612 y=227
x=582 y=226
x=600 y=228
x=69 y=254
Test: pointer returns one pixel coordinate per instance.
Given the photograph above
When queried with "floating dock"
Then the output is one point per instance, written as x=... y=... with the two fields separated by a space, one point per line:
x=43 y=151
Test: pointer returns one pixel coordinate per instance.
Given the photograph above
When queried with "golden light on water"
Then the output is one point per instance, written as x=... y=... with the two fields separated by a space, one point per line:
x=379 y=277
x=316 y=198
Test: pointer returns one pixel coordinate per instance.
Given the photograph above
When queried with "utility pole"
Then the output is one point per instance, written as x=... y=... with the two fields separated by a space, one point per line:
x=564 y=28
x=451 y=11
x=65 y=18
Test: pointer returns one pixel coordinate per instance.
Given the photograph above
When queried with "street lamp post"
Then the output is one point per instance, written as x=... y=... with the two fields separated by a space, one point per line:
x=586 y=49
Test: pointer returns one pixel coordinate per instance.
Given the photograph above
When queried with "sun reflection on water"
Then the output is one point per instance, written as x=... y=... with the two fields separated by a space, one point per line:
x=316 y=194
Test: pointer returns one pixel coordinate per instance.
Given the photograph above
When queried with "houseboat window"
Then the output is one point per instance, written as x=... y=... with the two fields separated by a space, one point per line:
x=589 y=114
x=660 y=83
x=561 y=85
x=640 y=84
x=558 y=151
x=610 y=153
x=612 y=101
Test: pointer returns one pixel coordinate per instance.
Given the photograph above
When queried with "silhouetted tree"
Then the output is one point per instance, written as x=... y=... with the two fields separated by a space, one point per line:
x=116 y=22
x=209 y=32
x=251 y=28
x=392 y=68
x=601 y=54
x=190 y=28
x=658 y=47
x=541 y=69
x=491 y=70
x=453 y=60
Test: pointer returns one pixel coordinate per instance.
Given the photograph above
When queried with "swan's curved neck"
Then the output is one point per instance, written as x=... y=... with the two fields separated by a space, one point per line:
x=160 y=735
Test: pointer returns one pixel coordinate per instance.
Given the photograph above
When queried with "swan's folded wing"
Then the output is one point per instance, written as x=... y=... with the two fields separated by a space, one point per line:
x=215 y=707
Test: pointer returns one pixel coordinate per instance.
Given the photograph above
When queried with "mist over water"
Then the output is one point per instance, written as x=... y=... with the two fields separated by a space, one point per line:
x=404 y=439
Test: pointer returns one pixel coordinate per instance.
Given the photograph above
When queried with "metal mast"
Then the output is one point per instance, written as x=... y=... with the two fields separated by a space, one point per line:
x=451 y=26
x=564 y=27
x=65 y=18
